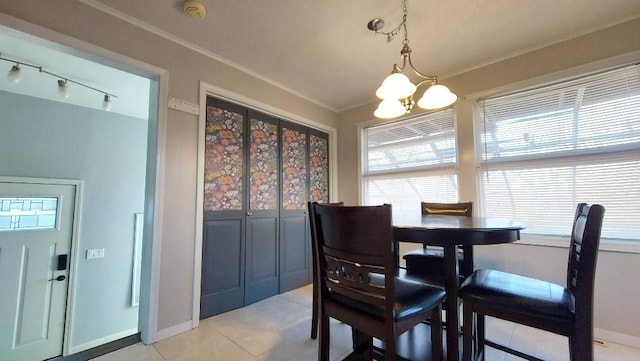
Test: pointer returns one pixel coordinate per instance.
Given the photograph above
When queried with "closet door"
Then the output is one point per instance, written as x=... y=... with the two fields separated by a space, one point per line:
x=295 y=245
x=261 y=273
x=223 y=244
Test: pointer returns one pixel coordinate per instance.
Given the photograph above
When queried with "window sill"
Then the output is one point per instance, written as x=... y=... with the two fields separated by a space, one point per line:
x=607 y=245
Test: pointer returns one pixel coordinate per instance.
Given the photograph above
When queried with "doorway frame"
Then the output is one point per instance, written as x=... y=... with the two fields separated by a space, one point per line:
x=154 y=181
x=75 y=232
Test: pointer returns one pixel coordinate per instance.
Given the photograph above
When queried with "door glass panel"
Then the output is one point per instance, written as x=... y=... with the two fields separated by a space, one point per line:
x=18 y=214
x=318 y=169
x=263 y=165
x=294 y=169
x=224 y=155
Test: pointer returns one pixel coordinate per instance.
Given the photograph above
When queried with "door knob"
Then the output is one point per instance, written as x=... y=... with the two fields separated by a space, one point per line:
x=249 y=214
x=59 y=278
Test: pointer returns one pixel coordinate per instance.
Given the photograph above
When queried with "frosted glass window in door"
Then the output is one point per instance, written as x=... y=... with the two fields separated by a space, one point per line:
x=17 y=214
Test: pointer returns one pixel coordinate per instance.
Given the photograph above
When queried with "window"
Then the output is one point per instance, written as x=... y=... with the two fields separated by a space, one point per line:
x=547 y=149
x=411 y=161
x=19 y=214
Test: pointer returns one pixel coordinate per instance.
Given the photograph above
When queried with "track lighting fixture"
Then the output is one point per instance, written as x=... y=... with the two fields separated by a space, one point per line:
x=15 y=75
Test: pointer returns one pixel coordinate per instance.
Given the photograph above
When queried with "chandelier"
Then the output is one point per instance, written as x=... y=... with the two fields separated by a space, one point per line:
x=397 y=90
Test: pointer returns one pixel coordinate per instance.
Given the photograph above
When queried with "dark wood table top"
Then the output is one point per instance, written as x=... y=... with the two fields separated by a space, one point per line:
x=440 y=230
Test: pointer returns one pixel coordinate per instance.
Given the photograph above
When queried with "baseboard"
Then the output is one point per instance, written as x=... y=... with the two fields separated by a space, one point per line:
x=102 y=341
x=173 y=330
x=615 y=337
x=102 y=349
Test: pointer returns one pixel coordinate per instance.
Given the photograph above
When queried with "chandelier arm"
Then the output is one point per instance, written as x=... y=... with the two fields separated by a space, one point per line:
x=400 y=69
x=432 y=78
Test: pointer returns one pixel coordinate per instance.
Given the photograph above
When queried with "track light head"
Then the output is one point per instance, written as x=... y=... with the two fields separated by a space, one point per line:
x=63 y=89
x=14 y=75
x=106 y=103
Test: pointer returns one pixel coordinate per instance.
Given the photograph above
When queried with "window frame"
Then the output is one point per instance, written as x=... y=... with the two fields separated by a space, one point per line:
x=610 y=244
x=443 y=169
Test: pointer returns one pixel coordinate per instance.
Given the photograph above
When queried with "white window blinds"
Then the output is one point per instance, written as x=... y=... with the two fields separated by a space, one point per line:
x=547 y=149
x=411 y=161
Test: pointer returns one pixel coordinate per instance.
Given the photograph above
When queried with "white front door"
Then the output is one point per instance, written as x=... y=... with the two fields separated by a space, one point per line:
x=36 y=223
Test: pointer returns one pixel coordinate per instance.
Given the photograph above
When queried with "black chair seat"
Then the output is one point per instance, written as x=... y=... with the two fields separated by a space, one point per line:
x=427 y=261
x=410 y=298
x=519 y=294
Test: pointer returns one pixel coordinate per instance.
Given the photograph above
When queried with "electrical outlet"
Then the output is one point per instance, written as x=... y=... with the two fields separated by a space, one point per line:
x=95 y=253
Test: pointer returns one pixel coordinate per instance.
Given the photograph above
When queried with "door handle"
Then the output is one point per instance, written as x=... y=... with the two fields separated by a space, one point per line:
x=249 y=214
x=59 y=278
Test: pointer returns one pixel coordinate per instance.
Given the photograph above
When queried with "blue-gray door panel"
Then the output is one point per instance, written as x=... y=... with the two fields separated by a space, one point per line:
x=223 y=267
x=261 y=278
x=295 y=247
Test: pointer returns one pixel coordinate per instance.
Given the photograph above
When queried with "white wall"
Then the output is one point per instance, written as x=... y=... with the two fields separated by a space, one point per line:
x=46 y=139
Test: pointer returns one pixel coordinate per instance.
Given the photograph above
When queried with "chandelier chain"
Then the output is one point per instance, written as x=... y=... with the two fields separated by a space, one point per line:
x=403 y=25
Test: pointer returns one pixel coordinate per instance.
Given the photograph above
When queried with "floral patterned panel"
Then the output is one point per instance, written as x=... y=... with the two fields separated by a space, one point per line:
x=318 y=169
x=223 y=168
x=263 y=165
x=294 y=170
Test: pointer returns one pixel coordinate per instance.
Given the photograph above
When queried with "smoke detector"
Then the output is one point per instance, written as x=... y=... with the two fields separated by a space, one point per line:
x=194 y=9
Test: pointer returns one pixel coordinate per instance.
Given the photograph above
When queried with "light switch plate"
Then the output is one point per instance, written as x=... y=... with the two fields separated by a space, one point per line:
x=95 y=253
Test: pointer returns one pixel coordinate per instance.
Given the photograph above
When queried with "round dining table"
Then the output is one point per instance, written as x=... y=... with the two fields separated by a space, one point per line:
x=450 y=233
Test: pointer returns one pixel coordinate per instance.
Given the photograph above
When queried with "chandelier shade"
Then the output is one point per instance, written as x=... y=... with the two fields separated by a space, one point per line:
x=396 y=86
x=389 y=108
x=436 y=97
x=397 y=89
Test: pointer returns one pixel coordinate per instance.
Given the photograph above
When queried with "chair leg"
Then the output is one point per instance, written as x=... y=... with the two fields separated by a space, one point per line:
x=362 y=345
x=323 y=344
x=581 y=347
x=468 y=330
x=436 y=334
x=479 y=336
x=314 y=312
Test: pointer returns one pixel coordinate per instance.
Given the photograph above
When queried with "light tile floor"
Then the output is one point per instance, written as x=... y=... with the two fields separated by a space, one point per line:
x=277 y=329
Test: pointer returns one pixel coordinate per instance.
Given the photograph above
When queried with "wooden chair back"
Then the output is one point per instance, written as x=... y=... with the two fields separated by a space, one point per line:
x=315 y=281
x=583 y=256
x=447 y=209
x=355 y=252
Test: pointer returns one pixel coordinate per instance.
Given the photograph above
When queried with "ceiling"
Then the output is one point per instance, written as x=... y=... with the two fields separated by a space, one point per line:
x=323 y=51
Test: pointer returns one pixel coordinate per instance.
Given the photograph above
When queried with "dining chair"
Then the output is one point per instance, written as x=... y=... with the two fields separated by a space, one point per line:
x=355 y=260
x=428 y=262
x=567 y=310
x=315 y=303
